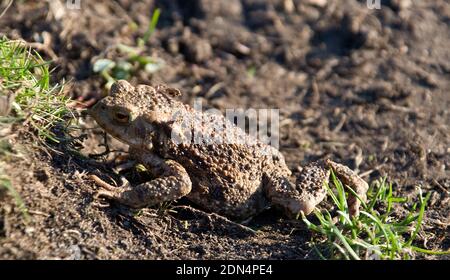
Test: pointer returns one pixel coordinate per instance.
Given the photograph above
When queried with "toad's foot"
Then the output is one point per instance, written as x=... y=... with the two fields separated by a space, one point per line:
x=310 y=190
x=107 y=190
x=356 y=183
x=173 y=182
x=99 y=182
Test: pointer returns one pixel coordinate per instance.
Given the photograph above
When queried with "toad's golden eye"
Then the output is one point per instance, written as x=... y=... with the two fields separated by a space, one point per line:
x=122 y=117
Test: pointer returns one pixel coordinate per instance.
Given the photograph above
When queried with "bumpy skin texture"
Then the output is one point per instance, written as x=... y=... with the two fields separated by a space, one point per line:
x=237 y=180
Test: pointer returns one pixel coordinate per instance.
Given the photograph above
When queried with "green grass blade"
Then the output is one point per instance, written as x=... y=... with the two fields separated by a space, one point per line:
x=345 y=243
x=151 y=27
x=423 y=203
x=430 y=252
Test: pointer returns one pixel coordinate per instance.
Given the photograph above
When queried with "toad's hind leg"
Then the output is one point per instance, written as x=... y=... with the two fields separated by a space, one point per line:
x=172 y=183
x=309 y=189
x=303 y=196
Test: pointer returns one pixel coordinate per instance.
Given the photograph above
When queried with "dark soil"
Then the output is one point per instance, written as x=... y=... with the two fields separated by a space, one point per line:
x=369 y=88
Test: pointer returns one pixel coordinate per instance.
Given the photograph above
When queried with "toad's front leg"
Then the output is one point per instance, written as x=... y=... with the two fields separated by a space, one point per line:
x=172 y=182
x=309 y=189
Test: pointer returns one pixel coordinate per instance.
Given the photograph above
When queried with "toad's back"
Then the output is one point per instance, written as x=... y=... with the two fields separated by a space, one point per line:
x=226 y=165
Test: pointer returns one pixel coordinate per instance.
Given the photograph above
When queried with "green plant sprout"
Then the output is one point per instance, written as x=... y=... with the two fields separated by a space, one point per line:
x=373 y=234
x=131 y=58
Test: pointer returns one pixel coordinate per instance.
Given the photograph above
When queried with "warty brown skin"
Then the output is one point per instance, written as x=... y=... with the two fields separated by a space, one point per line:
x=237 y=180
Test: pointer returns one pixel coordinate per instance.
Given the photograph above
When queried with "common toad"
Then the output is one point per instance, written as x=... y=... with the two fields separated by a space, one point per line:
x=236 y=180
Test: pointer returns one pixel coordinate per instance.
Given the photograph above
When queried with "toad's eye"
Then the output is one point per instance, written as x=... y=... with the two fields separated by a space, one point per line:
x=122 y=117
